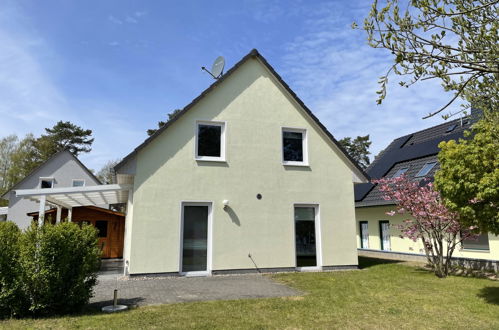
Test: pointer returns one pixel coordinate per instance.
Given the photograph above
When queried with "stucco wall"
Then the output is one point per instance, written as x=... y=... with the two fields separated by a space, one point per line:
x=63 y=168
x=374 y=214
x=254 y=108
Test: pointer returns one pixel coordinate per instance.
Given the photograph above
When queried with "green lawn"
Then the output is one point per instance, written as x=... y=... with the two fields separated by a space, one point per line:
x=390 y=295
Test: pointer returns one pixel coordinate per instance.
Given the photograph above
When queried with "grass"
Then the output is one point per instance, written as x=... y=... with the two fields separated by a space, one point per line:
x=381 y=295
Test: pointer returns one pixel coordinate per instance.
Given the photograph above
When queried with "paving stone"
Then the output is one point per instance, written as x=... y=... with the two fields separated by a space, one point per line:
x=151 y=291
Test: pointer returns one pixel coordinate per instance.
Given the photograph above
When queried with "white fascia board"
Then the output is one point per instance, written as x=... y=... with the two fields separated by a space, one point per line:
x=73 y=190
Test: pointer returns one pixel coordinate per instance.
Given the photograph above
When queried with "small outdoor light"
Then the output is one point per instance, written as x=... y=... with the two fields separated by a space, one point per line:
x=225 y=203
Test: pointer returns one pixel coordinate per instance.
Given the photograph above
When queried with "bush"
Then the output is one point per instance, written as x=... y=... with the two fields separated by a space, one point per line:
x=47 y=270
x=59 y=265
x=11 y=296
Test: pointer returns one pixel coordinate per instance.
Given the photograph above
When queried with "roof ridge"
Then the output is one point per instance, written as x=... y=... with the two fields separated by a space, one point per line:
x=39 y=167
x=432 y=127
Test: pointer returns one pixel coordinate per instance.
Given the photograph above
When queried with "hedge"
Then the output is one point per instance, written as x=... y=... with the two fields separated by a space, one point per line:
x=53 y=268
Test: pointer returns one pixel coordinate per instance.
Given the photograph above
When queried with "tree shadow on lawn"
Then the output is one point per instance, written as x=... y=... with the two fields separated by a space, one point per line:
x=90 y=309
x=490 y=294
x=366 y=262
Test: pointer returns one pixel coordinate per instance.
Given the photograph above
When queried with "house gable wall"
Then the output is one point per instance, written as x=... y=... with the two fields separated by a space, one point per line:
x=255 y=108
x=63 y=168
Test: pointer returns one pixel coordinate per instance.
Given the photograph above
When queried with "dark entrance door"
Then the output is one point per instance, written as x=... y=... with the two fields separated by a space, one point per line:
x=195 y=239
x=306 y=254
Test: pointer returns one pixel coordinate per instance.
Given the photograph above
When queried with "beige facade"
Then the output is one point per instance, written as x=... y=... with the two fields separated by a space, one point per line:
x=254 y=107
x=374 y=214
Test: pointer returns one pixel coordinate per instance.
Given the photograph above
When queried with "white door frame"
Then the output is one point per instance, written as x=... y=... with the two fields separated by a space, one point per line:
x=318 y=238
x=208 y=270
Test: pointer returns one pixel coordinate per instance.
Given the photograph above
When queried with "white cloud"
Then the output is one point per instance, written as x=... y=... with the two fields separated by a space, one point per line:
x=335 y=72
x=132 y=20
x=28 y=96
x=114 y=20
x=31 y=100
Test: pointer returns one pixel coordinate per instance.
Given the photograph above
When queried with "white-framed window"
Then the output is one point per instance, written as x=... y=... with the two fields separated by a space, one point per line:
x=426 y=169
x=399 y=172
x=479 y=243
x=384 y=233
x=78 y=183
x=364 y=234
x=210 y=141
x=46 y=183
x=294 y=146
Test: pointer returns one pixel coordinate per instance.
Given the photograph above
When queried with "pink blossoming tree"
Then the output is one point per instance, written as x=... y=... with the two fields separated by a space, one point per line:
x=436 y=226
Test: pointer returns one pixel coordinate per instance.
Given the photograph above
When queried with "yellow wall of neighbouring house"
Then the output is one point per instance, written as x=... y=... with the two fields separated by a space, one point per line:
x=255 y=108
x=376 y=213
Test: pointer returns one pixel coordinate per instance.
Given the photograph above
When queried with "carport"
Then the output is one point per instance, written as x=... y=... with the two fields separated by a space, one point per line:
x=69 y=197
x=78 y=197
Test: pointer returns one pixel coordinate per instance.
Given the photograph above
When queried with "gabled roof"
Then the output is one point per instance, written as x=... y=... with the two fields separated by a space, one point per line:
x=411 y=151
x=252 y=54
x=54 y=156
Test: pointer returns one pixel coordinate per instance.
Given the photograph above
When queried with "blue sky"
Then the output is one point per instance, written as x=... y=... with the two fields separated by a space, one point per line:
x=117 y=67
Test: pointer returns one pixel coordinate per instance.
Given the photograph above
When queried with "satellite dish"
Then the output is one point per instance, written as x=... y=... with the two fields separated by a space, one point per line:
x=217 y=68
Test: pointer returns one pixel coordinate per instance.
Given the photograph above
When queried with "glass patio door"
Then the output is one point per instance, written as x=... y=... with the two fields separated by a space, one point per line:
x=195 y=239
x=364 y=235
x=385 y=235
x=305 y=240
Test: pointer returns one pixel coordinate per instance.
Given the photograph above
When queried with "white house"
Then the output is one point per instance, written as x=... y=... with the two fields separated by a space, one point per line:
x=245 y=178
x=63 y=169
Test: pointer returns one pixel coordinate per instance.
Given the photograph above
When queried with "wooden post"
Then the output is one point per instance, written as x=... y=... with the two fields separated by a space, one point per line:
x=70 y=214
x=41 y=210
x=58 y=216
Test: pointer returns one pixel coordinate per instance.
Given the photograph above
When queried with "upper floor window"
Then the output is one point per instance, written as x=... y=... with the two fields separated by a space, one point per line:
x=78 y=183
x=399 y=172
x=426 y=169
x=294 y=146
x=46 y=183
x=210 y=141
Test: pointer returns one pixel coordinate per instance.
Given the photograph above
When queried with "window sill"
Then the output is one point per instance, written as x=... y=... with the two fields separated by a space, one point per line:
x=295 y=164
x=213 y=160
x=476 y=250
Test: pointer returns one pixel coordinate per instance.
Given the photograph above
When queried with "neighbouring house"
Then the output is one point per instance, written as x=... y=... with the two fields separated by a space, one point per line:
x=245 y=178
x=63 y=169
x=414 y=155
x=110 y=225
x=62 y=188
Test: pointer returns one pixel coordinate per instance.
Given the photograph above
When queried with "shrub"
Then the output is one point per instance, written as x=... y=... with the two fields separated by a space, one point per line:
x=11 y=296
x=58 y=265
